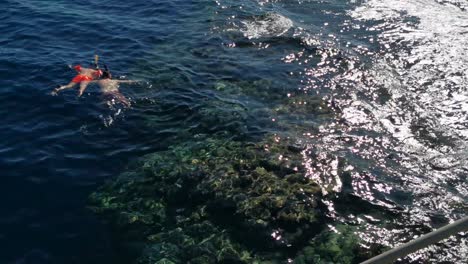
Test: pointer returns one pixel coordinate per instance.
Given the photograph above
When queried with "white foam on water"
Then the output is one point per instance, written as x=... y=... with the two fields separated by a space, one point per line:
x=269 y=25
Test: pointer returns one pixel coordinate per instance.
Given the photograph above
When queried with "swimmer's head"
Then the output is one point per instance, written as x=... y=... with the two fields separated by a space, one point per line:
x=106 y=74
x=77 y=68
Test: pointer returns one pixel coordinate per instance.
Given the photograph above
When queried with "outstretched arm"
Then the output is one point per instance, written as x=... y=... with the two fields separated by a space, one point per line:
x=63 y=87
x=127 y=81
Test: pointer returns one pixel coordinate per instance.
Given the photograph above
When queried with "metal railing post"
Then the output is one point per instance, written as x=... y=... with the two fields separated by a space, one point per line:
x=420 y=242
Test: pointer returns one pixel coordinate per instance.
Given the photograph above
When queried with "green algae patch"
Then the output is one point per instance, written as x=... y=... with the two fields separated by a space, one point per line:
x=339 y=246
x=216 y=201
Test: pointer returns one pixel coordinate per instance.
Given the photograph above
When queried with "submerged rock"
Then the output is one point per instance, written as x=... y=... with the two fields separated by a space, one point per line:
x=216 y=201
x=260 y=89
x=338 y=246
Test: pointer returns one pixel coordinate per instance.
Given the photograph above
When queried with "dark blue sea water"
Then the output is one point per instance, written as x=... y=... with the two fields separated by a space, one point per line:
x=394 y=71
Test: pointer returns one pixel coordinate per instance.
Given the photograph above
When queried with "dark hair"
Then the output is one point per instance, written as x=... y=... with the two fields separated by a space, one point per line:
x=106 y=73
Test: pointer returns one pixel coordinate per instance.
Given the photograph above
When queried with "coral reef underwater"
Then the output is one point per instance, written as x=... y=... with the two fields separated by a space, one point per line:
x=222 y=201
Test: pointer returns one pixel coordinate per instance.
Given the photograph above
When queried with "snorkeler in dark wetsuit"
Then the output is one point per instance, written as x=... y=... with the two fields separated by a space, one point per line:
x=84 y=77
x=110 y=87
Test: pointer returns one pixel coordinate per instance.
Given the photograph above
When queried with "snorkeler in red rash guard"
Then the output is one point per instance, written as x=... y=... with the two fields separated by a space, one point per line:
x=84 y=76
x=110 y=88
